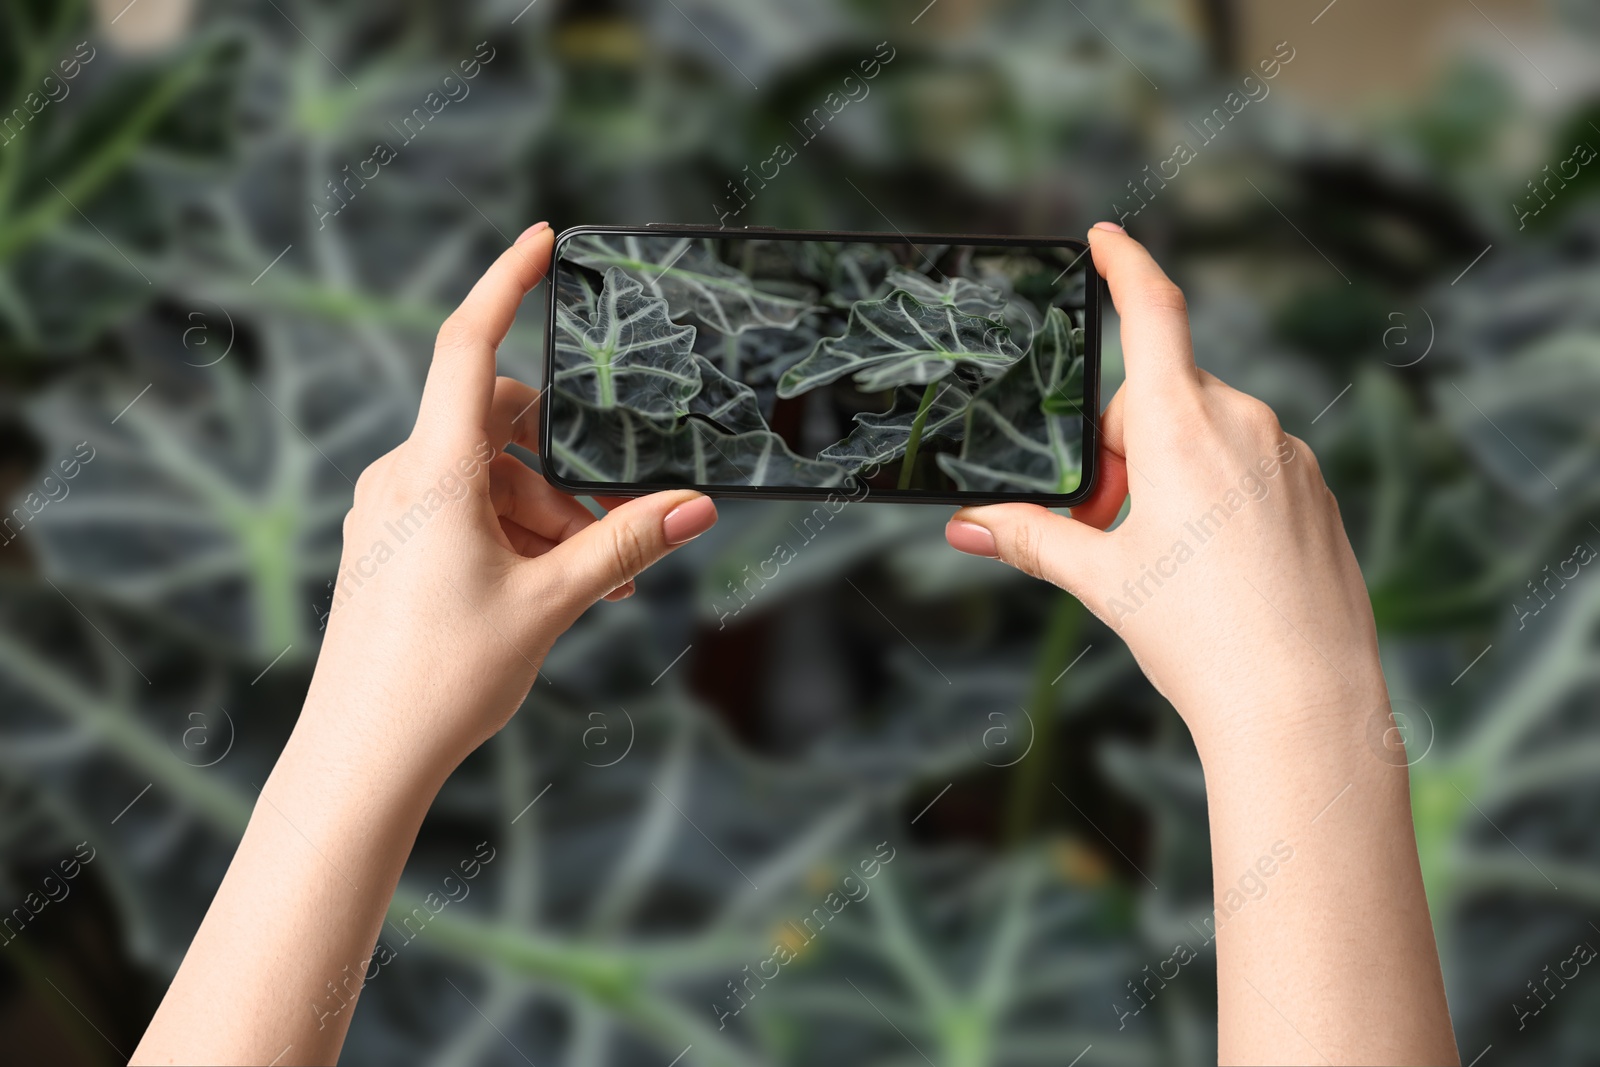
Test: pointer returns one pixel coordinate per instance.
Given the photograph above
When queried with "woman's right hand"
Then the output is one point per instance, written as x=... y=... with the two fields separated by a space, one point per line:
x=1231 y=579
x=1234 y=585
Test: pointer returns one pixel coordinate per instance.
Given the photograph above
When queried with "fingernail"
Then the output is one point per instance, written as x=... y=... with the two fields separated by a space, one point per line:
x=689 y=520
x=971 y=538
x=1111 y=226
x=537 y=227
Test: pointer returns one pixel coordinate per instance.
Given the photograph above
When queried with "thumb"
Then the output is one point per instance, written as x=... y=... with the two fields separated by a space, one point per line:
x=609 y=553
x=1061 y=550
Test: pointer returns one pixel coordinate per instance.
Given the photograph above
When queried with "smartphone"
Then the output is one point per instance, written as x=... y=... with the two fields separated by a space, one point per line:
x=796 y=365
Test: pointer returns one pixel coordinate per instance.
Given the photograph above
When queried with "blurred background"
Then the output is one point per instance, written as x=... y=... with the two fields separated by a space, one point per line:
x=217 y=300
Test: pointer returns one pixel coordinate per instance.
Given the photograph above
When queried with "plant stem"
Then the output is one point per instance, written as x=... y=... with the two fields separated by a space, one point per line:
x=908 y=461
x=1061 y=632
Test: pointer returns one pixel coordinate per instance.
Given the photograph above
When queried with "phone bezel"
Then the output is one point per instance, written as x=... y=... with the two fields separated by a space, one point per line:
x=1093 y=294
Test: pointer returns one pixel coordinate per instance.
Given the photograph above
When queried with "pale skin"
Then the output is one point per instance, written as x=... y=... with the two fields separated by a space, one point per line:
x=1262 y=638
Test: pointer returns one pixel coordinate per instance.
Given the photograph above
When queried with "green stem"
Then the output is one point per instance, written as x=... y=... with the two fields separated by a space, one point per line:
x=908 y=462
x=107 y=160
x=1027 y=787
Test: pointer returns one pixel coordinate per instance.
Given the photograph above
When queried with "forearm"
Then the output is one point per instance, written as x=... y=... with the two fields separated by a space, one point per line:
x=1325 y=950
x=274 y=970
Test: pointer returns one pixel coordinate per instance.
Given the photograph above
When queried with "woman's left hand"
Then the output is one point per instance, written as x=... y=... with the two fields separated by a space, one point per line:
x=462 y=566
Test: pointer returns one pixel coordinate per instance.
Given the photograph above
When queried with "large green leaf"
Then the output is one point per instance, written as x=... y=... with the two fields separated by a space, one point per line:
x=849 y=272
x=618 y=445
x=686 y=274
x=731 y=404
x=902 y=341
x=761 y=355
x=880 y=436
x=629 y=355
x=1025 y=431
x=963 y=294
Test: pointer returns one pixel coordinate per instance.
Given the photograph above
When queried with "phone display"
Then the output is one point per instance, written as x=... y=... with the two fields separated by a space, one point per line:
x=792 y=364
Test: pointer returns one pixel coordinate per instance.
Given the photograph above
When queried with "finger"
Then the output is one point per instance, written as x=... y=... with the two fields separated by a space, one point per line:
x=531 y=502
x=456 y=396
x=1054 y=547
x=529 y=544
x=524 y=541
x=615 y=549
x=1104 y=502
x=513 y=415
x=1155 y=320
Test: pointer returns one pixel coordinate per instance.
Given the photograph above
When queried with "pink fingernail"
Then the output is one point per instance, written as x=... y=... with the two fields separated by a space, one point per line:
x=689 y=520
x=530 y=231
x=971 y=538
x=1111 y=226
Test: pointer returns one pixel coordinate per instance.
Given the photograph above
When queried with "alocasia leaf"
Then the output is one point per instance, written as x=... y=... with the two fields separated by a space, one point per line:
x=855 y=272
x=761 y=355
x=879 y=437
x=963 y=294
x=1025 y=431
x=686 y=274
x=629 y=355
x=731 y=404
x=704 y=456
x=618 y=445
x=575 y=289
x=902 y=341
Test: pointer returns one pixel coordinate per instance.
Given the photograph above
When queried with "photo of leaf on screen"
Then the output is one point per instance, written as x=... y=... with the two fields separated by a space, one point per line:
x=780 y=362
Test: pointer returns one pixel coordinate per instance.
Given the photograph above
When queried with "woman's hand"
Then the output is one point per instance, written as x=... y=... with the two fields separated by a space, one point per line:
x=1231 y=579
x=462 y=566
x=1234 y=585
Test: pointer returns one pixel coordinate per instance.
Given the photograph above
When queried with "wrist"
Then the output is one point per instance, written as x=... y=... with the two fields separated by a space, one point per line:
x=353 y=744
x=1287 y=717
x=1304 y=745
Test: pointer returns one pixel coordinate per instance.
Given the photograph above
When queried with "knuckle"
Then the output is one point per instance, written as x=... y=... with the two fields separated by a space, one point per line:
x=1024 y=549
x=1305 y=456
x=454 y=335
x=629 y=553
x=368 y=479
x=1166 y=296
x=1257 y=415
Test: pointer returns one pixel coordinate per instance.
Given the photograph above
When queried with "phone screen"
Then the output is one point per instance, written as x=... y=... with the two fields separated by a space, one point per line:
x=801 y=365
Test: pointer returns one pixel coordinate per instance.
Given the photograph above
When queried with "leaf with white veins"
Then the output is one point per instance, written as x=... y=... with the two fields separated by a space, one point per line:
x=963 y=294
x=630 y=354
x=902 y=341
x=881 y=436
x=1024 y=432
x=620 y=446
x=686 y=273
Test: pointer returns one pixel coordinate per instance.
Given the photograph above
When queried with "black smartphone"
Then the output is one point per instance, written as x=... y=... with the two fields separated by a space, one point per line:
x=797 y=365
